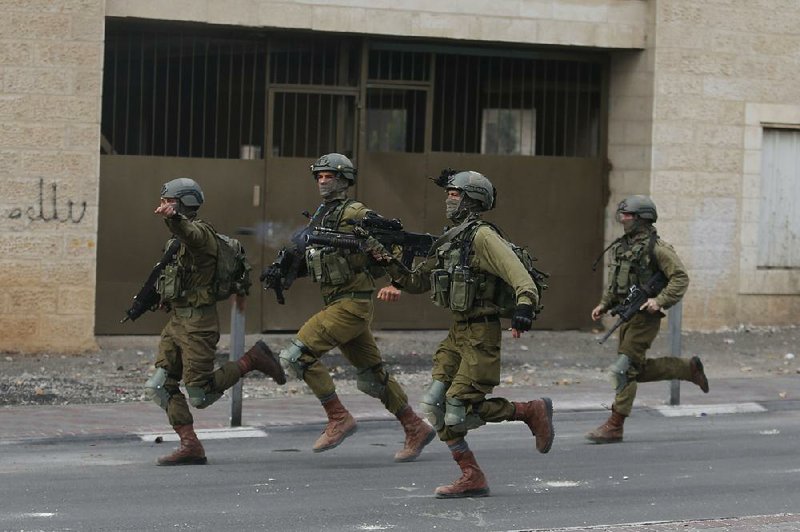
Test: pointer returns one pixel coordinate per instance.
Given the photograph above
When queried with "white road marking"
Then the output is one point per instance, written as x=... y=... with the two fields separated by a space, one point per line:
x=709 y=410
x=208 y=434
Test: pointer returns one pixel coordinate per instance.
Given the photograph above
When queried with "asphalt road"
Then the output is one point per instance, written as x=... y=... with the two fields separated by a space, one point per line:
x=669 y=469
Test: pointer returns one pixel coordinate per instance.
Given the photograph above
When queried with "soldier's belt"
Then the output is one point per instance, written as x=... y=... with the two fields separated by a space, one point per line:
x=491 y=318
x=347 y=295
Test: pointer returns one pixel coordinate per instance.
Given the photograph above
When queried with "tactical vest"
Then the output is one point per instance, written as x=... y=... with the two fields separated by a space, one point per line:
x=328 y=265
x=456 y=286
x=174 y=284
x=632 y=262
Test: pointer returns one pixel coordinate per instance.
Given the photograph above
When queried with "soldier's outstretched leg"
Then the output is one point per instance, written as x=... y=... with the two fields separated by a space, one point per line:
x=538 y=415
x=190 y=452
x=472 y=482
x=610 y=431
x=340 y=424
x=418 y=435
x=261 y=358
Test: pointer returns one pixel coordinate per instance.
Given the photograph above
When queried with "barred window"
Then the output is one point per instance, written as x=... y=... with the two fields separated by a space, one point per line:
x=516 y=106
x=183 y=94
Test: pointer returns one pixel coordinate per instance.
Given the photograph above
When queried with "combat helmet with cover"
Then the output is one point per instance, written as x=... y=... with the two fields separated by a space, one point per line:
x=337 y=163
x=640 y=205
x=473 y=184
x=188 y=193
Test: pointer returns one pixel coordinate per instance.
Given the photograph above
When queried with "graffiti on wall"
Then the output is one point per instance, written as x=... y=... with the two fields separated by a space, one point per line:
x=47 y=208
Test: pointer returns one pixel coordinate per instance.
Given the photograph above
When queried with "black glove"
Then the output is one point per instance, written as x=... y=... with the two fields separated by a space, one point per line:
x=270 y=276
x=522 y=320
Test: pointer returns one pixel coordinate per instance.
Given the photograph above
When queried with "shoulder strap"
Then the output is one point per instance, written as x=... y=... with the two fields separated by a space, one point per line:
x=451 y=234
x=469 y=236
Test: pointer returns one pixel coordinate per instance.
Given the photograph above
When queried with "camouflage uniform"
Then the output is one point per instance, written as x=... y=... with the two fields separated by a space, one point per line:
x=469 y=358
x=189 y=284
x=347 y=283
x=345 y=320
x=189 y=340
x=471 y=269
x=637 y=257
x=632 y=262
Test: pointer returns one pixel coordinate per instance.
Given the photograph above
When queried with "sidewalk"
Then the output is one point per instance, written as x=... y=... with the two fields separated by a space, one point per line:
x=127 y=420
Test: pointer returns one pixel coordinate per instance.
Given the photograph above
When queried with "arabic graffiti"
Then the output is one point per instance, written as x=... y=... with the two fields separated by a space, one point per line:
x=46 y=208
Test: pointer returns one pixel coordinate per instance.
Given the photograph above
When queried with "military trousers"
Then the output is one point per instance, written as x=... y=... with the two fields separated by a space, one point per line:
x=635 y=338
x=469 y=361
x=186 y=351
x=345 y=323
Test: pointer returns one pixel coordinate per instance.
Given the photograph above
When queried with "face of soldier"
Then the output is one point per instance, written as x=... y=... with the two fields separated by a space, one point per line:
x=329 y=184
x=627 y=220
x=452 y=202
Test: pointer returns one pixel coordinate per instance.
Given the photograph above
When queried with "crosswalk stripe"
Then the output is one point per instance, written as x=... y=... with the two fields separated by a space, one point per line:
x=709 y=410
x=208 y=434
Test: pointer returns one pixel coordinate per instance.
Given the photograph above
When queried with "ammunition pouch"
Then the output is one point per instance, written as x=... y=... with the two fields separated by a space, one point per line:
x=618 y=372
x=328 y=266
x=432 y=404
x=154 y=388
x=169 y=285
x=463 y=288
x=198 y=397
x=290 y=359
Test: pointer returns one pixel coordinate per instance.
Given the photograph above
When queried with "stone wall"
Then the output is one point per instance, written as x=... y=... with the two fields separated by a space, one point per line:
x=51 y=59
x=722 y=68
x=606 y=24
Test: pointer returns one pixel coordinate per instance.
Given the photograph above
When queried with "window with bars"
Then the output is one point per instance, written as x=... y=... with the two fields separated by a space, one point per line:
x=187 y=91
x=308 y=124
x=516 y=106
x=182 y=94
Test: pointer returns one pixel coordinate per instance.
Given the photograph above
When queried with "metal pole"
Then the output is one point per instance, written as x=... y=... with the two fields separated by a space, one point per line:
x=675 y=318
x=237 y=350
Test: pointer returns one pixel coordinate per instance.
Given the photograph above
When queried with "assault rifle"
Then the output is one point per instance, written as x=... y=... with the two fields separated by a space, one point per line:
x=389 y=233
x=288 y=266
x=148 y=297
x=637 y=295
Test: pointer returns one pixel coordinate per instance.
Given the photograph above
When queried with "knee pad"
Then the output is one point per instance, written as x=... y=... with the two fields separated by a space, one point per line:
x=198 y=397
x=618 y=372
x=456 y=416
x=432 y=404
x=154 y=388
x=290 y=358
x=372 y=381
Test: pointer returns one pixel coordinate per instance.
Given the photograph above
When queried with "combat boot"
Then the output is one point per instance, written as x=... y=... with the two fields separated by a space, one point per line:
x=472 y=482
x=261 y=357
x=340 y=425
x=698 y=376
x=538 y=415
x=190 y=451
x=418 y=435
x=610 y=431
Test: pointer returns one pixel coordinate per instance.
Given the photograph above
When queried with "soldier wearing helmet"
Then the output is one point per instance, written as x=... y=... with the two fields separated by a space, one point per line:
x=347 y=283
x=473 y=271
x=188 y=341
x=635 y=257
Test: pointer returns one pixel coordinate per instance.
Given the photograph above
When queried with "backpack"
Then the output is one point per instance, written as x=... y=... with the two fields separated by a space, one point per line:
x=539 y=277
x=507 y=299
x=232 y=275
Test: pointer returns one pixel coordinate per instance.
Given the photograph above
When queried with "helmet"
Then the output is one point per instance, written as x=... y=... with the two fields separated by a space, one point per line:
x=640 y=205
x=338 y=163
x=185 y=190
x=474 y=185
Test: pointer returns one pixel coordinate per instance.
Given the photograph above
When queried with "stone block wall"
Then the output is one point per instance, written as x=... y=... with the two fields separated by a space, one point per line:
x=720 y=69
x=51 y=59
x=607 y=24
